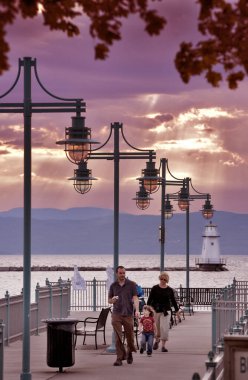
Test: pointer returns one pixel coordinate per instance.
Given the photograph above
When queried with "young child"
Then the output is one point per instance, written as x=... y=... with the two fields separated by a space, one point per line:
x=147 y=327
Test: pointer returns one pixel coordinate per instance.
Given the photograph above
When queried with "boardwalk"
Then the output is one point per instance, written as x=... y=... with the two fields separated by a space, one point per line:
x=189 y=343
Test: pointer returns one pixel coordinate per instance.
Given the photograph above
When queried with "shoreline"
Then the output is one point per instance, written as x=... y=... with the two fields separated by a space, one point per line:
x=56 y=268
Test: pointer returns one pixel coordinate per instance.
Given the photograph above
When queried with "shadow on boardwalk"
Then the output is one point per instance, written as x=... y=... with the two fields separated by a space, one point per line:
x=189 y=344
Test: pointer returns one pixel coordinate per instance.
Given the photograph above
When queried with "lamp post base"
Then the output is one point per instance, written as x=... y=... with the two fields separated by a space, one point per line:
x=112 y=349
x=26 y=376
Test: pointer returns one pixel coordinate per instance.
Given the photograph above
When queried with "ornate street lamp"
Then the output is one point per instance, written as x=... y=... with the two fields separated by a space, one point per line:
x=142 y=198
x=150 y=178
x=77 y=140
x=183 y=198
x=207 y=210
x=28 y=108
x=82 y=176
x=168 y=210
x=152 y=181
x=82 y=180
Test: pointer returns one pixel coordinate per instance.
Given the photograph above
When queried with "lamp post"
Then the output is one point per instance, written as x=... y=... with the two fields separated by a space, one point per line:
x=116 y=155
x=27 y=108
x=184 y=198
x=152 y=181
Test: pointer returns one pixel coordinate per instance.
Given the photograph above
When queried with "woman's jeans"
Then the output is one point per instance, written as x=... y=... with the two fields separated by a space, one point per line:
x=147 y=337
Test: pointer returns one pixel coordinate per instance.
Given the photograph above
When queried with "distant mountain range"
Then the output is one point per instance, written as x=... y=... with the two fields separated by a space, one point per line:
x=90 y=231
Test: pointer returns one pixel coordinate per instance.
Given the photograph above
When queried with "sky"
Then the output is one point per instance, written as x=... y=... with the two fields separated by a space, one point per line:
x=201 y=130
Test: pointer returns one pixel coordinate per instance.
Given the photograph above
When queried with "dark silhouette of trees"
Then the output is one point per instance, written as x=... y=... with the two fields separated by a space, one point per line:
x=221 y=55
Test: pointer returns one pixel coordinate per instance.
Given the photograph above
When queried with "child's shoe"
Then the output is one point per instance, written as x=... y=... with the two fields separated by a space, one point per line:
x=155 y=346
x=163 y=349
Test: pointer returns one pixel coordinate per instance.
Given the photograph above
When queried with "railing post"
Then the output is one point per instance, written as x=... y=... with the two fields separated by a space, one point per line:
x=226 y=311
x=68 y=296
x=37 y=300
x=50 y=300
x=1 y=348
x=242 y=324
x=220 y=345
x=229 y=297
x=180 y=292
x=94 y=294
x=214 y=324
x=211 y=364
x=7 y=322
x=196 y=376
x=234 y=297
x=61 y=296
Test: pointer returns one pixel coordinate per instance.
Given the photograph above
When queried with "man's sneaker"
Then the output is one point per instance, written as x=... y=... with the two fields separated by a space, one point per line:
x=163 y=349
x=155 y=346
x=117 y=363
x=141 y=350
x=149 y=354
x=129 y=358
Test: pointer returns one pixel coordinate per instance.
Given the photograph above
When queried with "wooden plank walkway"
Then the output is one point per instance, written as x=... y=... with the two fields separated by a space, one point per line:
x=189 y=344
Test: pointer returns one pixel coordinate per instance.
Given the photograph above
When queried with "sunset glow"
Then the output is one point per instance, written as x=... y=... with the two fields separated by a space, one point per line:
x=201 y=130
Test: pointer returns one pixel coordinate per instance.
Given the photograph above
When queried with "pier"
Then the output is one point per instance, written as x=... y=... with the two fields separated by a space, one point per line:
x=188 y=346
x=189 y=343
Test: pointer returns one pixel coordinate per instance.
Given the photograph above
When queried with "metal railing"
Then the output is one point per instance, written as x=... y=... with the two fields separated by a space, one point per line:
x=229 y=316
x=53 y=300
x=95 y=296
x=227 y=309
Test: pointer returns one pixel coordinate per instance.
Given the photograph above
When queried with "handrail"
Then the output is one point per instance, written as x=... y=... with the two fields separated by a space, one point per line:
x=95 y=296
x=215 y=366
x=229 y=316
x=51 y=301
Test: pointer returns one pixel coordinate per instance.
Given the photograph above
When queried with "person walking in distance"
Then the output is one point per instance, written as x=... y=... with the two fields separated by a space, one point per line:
x=123 y=296
x=161 y=298
x=147 y=327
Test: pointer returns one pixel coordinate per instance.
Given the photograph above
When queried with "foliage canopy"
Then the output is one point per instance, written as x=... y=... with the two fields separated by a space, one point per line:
x=222 y=54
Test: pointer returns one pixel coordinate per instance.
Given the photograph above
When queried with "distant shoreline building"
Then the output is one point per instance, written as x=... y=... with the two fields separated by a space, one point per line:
x=210 y=258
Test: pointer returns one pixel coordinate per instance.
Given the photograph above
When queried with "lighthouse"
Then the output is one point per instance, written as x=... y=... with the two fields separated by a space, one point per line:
x=210 y=258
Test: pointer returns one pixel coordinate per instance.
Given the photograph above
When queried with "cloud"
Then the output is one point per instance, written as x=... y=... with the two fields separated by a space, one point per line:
x=201 y=130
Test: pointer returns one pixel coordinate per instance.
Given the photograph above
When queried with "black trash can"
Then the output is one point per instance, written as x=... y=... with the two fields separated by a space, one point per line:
x=60 y=342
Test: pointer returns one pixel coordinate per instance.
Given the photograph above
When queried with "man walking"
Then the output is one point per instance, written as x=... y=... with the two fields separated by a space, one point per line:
x=123 y=296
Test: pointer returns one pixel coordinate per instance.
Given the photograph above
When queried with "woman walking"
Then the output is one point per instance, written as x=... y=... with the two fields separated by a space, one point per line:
x=161 y=298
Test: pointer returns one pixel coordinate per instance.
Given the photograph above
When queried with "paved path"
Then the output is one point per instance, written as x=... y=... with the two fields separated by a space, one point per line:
x=189 y=344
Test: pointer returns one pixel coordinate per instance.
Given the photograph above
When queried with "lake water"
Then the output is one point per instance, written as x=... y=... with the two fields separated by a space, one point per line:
x=13 y=281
